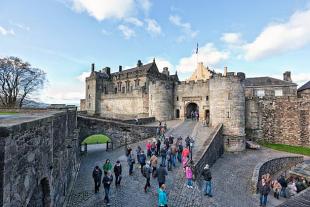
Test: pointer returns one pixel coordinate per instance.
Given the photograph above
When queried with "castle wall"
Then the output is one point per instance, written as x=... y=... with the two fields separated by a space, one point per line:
x=191 y=92
x=127 y=104
x=283 y=120
x=161 y=101
x=269 y=91
x=227 y=106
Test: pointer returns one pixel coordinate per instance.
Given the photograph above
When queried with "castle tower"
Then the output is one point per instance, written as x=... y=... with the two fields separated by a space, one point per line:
x=227 y=106
x=161 y=100
x=92 y=99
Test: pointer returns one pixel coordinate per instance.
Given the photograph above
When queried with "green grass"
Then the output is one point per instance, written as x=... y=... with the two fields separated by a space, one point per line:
x=96 y=139
x=288 y=148
x=7 y=113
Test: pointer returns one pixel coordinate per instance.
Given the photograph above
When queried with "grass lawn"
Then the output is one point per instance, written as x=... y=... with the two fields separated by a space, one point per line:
x=7 y=113
x=96 y=139
x=288 y=148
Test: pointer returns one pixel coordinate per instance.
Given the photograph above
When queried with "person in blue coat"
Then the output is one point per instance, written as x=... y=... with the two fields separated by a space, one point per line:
x=162 y=196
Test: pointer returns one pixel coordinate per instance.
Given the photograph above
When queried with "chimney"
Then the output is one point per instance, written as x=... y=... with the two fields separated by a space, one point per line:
x=165 y=71
x=107 y=70
x=120 y=68
x=139 y=64
x=92 y=67
x=225 y=71
x=287 y=76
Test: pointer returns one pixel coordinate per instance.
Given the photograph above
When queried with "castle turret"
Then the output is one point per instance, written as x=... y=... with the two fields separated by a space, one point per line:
x=161 y=100
x=92 y=99
x=227 y=106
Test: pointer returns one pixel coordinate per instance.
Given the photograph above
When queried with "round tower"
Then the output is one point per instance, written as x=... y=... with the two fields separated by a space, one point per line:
x=227 y=106
x=161 y=100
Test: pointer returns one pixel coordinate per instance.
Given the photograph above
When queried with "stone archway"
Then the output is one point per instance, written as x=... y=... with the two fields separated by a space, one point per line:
x=191 y=107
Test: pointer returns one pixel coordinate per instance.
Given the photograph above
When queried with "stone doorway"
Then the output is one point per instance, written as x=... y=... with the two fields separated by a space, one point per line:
x=177 y=114
x=191 y=108
x=207 y=117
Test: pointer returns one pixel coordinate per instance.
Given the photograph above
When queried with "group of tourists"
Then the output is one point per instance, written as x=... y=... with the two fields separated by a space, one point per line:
x=161 y=156
x=195 y=115
x=281 y=187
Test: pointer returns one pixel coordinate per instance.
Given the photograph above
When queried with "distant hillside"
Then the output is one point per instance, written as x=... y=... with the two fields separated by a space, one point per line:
x=34 y=104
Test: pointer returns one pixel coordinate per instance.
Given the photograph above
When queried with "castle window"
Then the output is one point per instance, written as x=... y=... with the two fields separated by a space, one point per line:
x=87 y=86
x=115 y=90
x=177 y=98
x=88 y=95
x=105 y=90
x=278 y=92
x=260 y=93
x=229 y=96
x=151 y=97
x=228 y=114
x=207 y=98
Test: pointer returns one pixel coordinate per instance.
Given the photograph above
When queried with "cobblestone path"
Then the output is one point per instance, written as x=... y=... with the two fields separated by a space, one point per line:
x=231 y=178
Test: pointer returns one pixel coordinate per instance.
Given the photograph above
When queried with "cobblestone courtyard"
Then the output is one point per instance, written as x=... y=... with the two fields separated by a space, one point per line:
x=231 y=178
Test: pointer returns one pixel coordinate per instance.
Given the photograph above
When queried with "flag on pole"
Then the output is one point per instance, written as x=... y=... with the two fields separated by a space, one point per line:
x=197 y=49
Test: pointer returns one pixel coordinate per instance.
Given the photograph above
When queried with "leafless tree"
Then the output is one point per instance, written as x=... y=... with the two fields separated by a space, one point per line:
x=18 y=80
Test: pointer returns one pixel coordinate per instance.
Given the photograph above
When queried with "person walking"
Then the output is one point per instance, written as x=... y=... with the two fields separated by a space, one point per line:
x=169 y=159
x=142 y=160
x=158 y=143
x=189 y=175
x=97 y=174
x=154 y=161
x=163 y=154
x=106 y=181
x=107 y=166
x=166 y=142
x=161 y=175
x=206 y=174
x=180 y=150
x=138 y=151
x=148 y=148
x=173 y=154
x=147 y=174
x=118 y=173
x=130 y=161
x=162 y=196
x=264 y=190
x=283 y=184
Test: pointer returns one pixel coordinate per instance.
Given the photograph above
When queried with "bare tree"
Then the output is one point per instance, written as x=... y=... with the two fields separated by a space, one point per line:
x=18 y=80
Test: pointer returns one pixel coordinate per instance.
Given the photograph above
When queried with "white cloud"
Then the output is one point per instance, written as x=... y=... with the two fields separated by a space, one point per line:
x=281 y=37
x=105 y=32
x=134 y=21
x=127 y=32
x=208 y=54
x=185 y=27
x=231 y=38
x=5 y=32
x=161 y=63
x=105 y=9
x=20 y=26
x=145 y=5
x=153 y=27
x=83 y=76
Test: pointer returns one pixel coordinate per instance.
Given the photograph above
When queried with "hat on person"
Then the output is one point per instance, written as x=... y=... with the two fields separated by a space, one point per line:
x=117 y=161
x=206 y=167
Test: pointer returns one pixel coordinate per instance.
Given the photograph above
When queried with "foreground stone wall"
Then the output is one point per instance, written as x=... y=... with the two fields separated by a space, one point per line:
x=212 y=150
x=119 y=132
x=273 y=166
x=284 y=120
x=38 y=160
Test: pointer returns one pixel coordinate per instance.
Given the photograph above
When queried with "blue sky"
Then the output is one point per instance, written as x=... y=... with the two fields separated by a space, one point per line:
x=63 y=37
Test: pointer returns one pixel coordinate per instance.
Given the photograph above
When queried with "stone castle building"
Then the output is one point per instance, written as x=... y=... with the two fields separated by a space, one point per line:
x=229 y=98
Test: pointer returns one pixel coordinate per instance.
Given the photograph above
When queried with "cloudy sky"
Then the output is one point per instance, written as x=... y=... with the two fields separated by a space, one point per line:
x=63 y=37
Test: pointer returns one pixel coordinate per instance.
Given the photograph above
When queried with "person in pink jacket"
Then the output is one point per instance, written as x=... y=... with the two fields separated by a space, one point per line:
x=189 y=176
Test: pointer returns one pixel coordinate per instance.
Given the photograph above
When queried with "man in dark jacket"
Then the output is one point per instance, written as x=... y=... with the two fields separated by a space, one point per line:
x=97 y=174
x=147 y=174
x=142 y=160
x=163 y=154
x=118 y=173
x=158 y=143
x=161 y=175
x=264 y=189
x=206 y=174
x=283 y=184
x=106 y=181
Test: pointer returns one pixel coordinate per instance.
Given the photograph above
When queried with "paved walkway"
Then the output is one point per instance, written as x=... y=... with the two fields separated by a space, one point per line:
x=231 y=178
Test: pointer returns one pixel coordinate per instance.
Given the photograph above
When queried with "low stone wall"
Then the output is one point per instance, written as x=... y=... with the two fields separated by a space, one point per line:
x=273 y=166
x=38 y=159
x=119 y=132
x=301 y=199
x=212 y=149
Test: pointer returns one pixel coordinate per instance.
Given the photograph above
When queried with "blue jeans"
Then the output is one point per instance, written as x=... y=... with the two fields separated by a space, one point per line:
x=263 y=200
x=173 y=157
x=283 y=192
x=169 y=164
x=130 y=169
x=163 y=161
x=106 y=194
x=208 y=188
x=189 y=182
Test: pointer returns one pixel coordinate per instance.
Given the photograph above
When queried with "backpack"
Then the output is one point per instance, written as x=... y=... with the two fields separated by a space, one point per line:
x=180 y=148
x=145 y=170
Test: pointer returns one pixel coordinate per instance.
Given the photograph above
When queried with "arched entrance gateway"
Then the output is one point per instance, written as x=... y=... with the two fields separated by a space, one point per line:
x=191 y=108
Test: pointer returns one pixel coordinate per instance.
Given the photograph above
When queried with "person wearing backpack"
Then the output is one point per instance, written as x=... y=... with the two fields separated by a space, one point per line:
x=130 y=161
x=142 y=159
x=180 y=150
x=97 y=174
x=147 y=174
x=163 y=154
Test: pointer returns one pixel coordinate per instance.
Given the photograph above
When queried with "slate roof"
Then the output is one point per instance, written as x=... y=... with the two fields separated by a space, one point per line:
x=145 y=67
x=267 y=81
x=304 y=87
